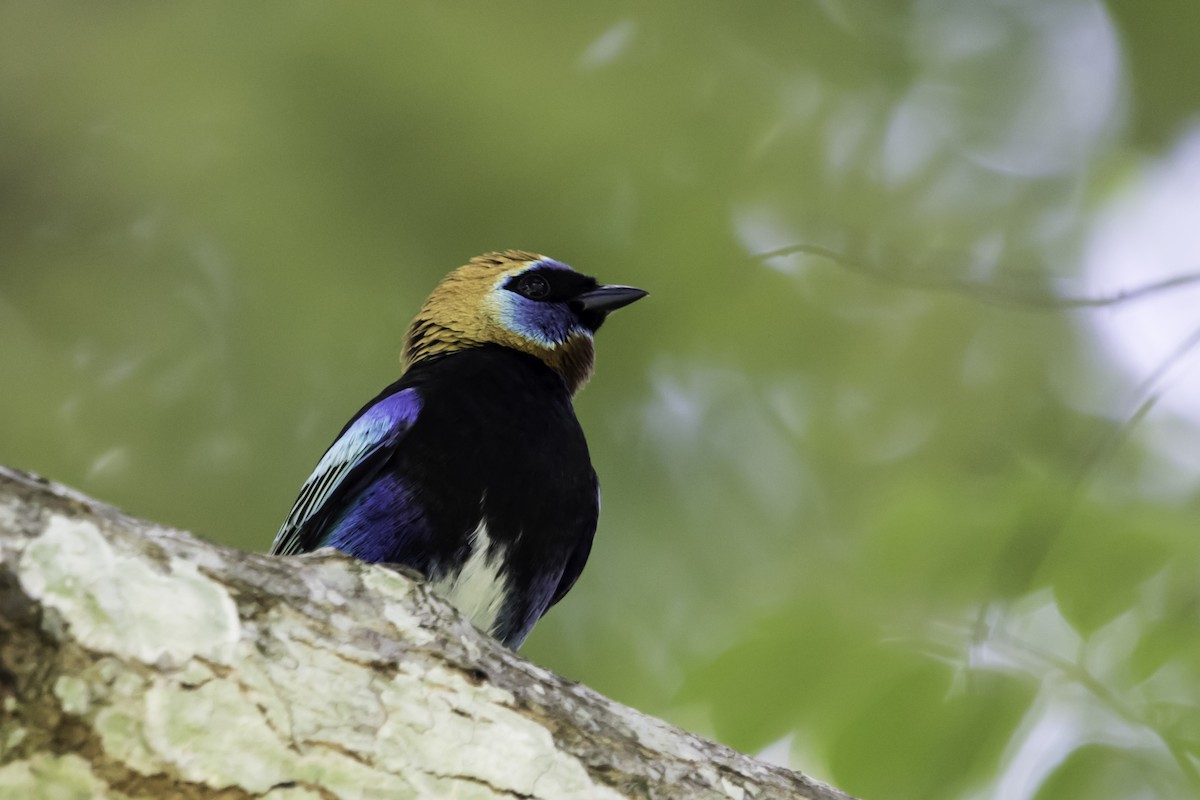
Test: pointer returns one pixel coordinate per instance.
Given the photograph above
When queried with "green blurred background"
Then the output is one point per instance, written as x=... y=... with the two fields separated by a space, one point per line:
x=902 y=517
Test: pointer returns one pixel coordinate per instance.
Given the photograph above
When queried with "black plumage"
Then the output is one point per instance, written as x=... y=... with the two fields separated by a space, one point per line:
x=472 y=468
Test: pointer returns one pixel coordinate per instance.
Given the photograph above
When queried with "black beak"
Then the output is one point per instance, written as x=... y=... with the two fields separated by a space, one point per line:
x=603 y=299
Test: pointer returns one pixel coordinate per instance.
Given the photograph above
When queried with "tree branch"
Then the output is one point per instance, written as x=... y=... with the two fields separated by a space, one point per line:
x=1036 y=297
x=142 y=662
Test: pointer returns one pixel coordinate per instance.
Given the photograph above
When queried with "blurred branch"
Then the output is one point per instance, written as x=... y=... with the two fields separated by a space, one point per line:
x=998 y=294
x=1078 y=672
x=1146 y=395
x=142 y=662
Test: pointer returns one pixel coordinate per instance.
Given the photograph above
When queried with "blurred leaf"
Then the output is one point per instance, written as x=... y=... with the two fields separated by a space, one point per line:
x=1098 y=566
x=923 y=733
x=1175 y=640
x=1103 y=772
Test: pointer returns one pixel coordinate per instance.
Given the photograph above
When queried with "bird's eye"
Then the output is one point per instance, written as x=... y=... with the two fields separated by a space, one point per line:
x=535 y=287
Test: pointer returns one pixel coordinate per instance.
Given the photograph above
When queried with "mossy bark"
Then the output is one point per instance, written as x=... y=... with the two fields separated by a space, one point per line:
x=141 y=662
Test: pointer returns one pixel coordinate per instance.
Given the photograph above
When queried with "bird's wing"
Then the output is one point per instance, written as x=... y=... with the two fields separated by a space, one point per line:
x=583 y=548
x=572 y=571
x=349 y=463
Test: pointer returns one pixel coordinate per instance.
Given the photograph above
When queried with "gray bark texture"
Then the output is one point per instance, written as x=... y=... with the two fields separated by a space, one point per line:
x=141 y=662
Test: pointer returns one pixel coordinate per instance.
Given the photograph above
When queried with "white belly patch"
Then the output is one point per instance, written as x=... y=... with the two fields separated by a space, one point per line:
x=477 y=589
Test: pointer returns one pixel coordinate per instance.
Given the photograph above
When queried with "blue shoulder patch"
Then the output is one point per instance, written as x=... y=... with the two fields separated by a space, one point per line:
x=377 y=429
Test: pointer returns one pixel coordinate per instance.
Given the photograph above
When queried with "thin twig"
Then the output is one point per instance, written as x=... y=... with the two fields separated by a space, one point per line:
x=1083 y=677
x=1149 y=391
x=988 y=292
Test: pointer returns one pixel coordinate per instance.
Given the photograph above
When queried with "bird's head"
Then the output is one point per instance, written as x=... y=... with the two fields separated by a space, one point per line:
x=520 y=300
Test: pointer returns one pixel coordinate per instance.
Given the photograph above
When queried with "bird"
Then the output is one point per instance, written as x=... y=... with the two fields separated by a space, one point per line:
x=472 y=468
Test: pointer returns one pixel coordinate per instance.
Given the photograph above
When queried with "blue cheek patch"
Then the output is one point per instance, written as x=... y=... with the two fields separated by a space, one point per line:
x=546 y=324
